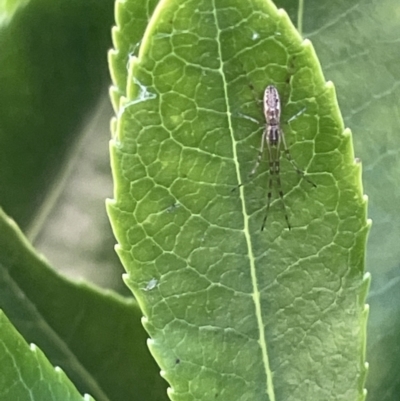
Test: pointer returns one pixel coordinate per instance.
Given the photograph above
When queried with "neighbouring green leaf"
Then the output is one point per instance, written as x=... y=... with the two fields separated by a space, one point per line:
x=235 y=313
x=95 y=337
x=26 y=374
x=52 y=71
x=383 y=382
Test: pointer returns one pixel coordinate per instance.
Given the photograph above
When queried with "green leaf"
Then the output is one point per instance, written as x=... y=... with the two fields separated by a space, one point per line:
x=53 y=70
x=383 y=382
x=131 y=18
x=96 y=338
x=26 y=374
x=8 y=8
x=368 y=96
x=357 y=46
x=233 y=312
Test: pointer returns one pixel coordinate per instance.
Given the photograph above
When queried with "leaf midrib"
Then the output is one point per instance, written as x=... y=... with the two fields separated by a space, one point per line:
x=256 y=293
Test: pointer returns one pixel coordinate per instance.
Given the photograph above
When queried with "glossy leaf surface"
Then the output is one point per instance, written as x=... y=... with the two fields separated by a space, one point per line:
x=233 y=312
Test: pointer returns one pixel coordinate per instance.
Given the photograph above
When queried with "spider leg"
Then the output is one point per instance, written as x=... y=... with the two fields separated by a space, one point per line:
x=260 y=153
x=274 y=170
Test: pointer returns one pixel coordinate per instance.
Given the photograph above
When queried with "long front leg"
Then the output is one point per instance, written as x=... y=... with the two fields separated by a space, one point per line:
x=259 y=157
x=260 y=154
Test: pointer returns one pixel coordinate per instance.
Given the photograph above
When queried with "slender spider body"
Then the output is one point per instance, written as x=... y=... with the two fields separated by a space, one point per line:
x=274 y=137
